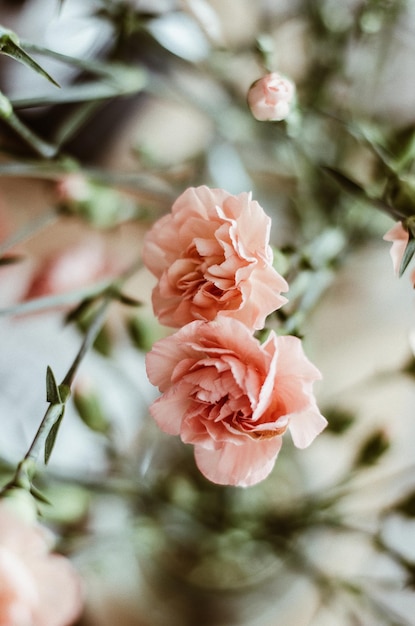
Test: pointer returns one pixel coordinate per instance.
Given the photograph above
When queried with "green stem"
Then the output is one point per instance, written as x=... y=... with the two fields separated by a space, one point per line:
x=28 y=230
x=26 y=468
x=48 y=302
x=88 y=341
x=44 y=149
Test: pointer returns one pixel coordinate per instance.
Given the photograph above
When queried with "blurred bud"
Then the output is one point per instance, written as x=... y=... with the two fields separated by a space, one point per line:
x=271 y=98
x=372 y=449
x=6 y=109
x=89 y=408
x=143 y=331
x=406 y=506
x=102 y=206
x=72 y=189
x=338 y=420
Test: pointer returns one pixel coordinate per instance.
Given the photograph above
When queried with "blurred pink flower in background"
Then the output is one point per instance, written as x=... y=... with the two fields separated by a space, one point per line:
x=211 y=256
x=37 y=588
x=234 y=398
x=72 y=268
x=399 y=238
x=271 y=97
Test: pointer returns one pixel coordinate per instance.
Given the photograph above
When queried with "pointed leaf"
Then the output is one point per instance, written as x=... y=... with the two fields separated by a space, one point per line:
x=356 y=190
x=408 y=254
x=372 y=449
x=406 y=506
x=52 y=389
x=80 y=311
x=53 y=433
x=128 y=300
x=93 y=90
x=64 y=392
x=38 y=495
x=9 y=45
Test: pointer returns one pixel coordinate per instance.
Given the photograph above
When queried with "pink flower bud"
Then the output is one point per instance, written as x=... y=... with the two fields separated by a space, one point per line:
x=37 y=587
x=73 y=188
x=271 y=97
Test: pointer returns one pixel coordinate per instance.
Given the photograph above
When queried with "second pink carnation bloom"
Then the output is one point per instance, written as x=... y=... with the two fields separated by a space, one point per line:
x=234 y=398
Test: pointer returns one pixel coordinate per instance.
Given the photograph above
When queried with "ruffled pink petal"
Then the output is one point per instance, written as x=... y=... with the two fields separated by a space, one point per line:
x=252 y=227
x=169 y=410
x=261 y=296
x=305 y=426
x=239 y=465
x=165 y=355
x=199 y=202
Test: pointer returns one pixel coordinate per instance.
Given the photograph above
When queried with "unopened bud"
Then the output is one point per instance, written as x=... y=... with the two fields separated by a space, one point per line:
x=6 y=109
x=271 y=98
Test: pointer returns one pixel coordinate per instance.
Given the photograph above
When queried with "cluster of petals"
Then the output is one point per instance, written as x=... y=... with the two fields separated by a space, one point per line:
x=211 y=257
x=233 y=397
x=271 y=98
x=399 y=237
x=37 y=588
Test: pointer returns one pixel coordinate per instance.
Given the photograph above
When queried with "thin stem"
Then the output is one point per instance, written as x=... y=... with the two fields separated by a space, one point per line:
x=44 y=149
x=26 y=468
x=28 y=230
x=54 y=411
x=48 y=302
x=88 y=340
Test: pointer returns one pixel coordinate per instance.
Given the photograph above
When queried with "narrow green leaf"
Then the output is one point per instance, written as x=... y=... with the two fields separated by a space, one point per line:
x=38 y=495
x=47 y=302
x=406 y=506
x=408 y=254
x=128 y=300
x=64 y=392
x=101 y=89
x=345 y=182
x=9 y=45
x=339 y=420
x=81 y=310
x=52 y=389
x=43 y=148
x=356 y=190
x=372 y=449
x=53 y=433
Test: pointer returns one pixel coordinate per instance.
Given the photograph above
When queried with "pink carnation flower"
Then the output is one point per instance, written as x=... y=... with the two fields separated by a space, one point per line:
x=399 y=238
x=212 y=257
x=271 y=97
x=233 y=398
x=68 y=269
x=37 y=588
